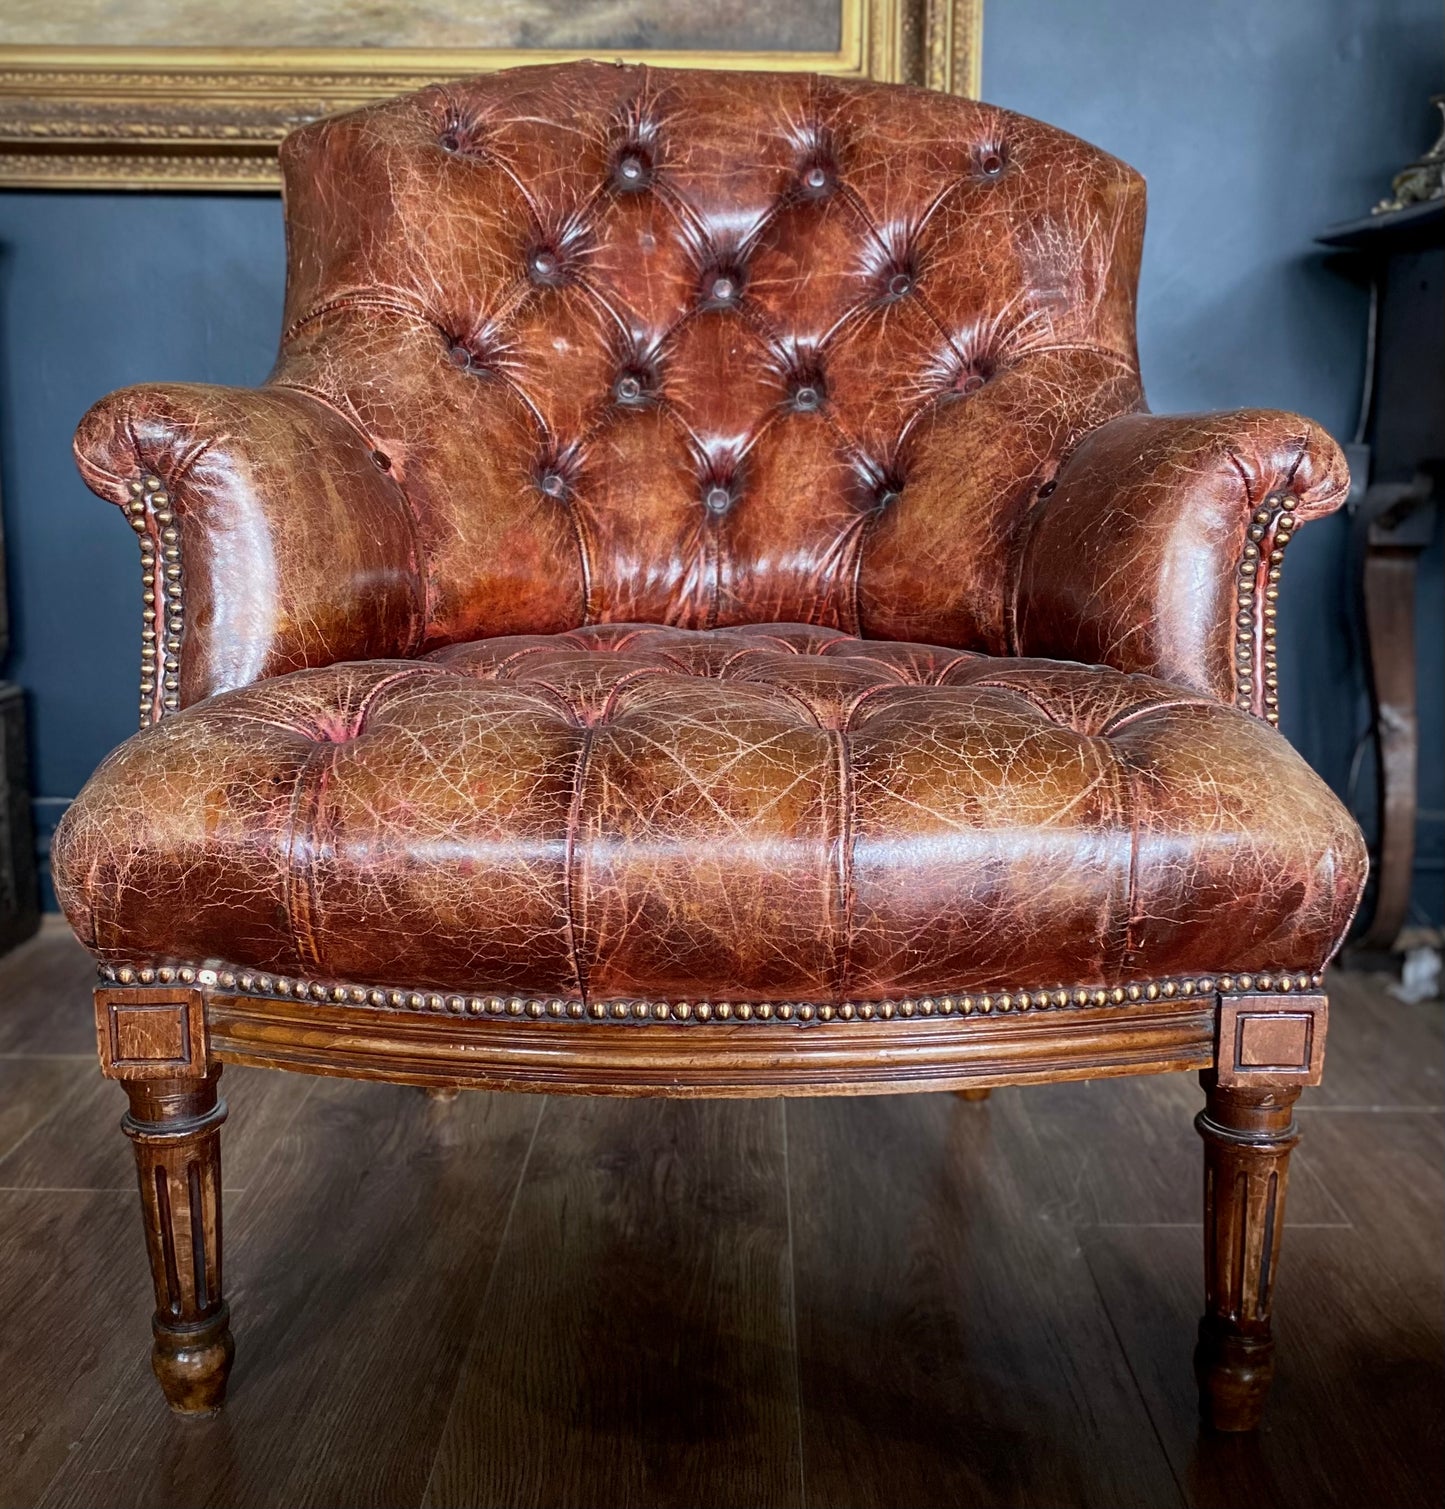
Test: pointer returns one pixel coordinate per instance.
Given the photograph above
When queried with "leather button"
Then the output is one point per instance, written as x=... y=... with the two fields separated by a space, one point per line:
x=544 y=265
x=717 y=500
x=818 y=181
x=879 y=483
x=637 y=377
x=899 y=285
x=554 y=484
x=459 y=356
x=460 y=140
x=381 y=461
x=807 y=398
x=632 y=172
x=721 y=283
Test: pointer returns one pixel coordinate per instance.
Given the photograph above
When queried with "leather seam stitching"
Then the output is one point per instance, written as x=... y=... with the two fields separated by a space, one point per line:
x=408 y=509
x=1131 y=901
x=357 y=299
x=570 y=860
x=843 y=924
x=294 y=879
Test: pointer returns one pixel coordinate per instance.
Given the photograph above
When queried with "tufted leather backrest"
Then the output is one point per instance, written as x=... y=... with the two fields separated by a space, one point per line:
x=711 y=348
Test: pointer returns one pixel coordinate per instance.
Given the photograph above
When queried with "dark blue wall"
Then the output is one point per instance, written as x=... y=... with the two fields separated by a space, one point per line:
x=1256 y=124
x=96 y=291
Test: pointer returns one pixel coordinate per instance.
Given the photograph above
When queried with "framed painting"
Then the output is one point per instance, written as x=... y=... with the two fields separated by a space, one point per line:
x=187 y=94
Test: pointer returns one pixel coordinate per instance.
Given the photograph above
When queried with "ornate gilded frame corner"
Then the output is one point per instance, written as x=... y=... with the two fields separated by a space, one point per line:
x=186 y=118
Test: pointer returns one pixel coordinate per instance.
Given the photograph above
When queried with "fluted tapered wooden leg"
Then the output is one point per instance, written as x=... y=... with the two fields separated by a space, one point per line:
x=175 y=1126
x=1248 y=1135
x=976 y=1095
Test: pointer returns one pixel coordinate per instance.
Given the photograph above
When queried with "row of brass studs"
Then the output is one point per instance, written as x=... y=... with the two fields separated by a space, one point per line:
x=980 y=1004
x=1259 y=573
x=162 y=613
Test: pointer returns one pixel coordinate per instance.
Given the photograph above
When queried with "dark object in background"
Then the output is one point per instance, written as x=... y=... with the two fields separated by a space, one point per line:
x=1424 y=179
x=19 y=885
x=1396 y=461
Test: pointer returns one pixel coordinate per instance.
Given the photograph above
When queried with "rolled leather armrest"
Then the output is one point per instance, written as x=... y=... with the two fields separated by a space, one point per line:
x=272 y=535
x=1158 y=548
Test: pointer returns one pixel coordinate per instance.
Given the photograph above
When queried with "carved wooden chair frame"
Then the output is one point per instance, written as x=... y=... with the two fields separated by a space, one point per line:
x=166 y=1032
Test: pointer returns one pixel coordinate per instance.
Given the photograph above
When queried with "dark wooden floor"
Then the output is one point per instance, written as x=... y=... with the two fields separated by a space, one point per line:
x=892 y=1302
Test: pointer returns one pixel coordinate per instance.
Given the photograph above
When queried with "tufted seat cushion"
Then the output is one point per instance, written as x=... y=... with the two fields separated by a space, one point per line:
x=767 y=814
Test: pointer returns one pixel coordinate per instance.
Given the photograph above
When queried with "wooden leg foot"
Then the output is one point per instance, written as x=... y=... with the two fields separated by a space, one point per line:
x=1248 y=1135
x=175 y=1127
x=973 y=1094
x=194 y=1363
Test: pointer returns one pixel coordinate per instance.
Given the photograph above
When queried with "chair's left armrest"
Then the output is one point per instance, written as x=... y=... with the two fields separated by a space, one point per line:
x=273 y=536
x=1158 y=548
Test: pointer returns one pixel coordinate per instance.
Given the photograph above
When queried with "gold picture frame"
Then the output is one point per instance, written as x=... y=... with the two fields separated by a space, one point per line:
x=189 y=118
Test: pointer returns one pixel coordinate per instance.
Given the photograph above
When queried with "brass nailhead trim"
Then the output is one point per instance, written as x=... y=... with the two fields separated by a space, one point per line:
x=1270 y=530
x=979 y=1003
x=162 y=610
x=152 y=518
x=163 y=607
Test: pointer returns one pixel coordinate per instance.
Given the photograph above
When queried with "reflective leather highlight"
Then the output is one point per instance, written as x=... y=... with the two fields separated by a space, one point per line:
x=634 y=576
x=779 y=813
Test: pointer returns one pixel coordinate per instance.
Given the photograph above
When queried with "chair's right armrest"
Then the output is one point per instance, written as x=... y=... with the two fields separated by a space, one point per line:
x=273 y=537
x=1159 y=549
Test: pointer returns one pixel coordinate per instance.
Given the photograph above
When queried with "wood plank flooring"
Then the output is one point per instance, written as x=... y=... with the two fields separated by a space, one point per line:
x=517 y=1300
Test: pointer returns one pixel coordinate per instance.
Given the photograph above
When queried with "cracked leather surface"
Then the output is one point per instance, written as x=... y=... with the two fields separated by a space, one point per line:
x=781 y=812
x=578 y=352
x=296 y=550
x=811 y=364
x=1129 y=561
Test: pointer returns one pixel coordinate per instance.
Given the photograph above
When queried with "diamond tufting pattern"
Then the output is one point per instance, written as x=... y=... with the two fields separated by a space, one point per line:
x=607 y=654
x=781 y=812
x=783 y=347
x=663 y=485
x=586 y=344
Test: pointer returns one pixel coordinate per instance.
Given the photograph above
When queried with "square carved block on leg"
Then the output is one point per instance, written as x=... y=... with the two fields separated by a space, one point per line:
x=1271 y=1041
x=157 y=1033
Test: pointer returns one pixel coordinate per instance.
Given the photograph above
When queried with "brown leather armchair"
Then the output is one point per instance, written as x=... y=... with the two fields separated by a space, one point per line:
x=699 y=608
